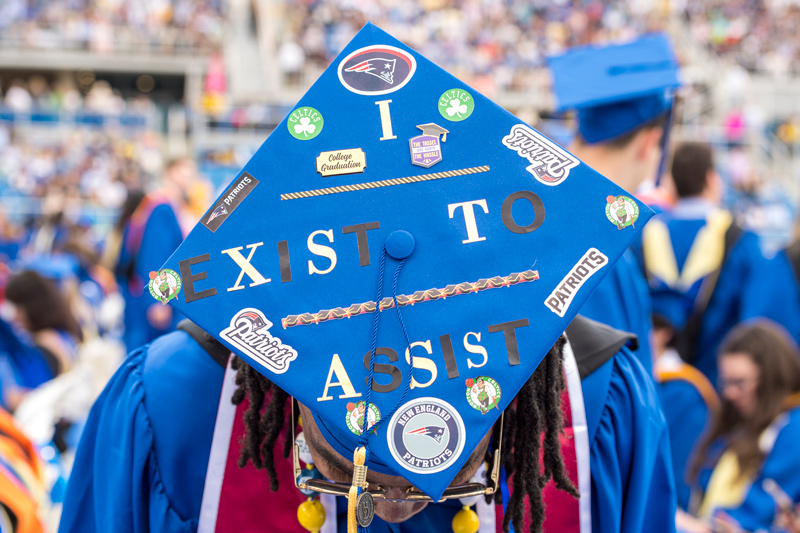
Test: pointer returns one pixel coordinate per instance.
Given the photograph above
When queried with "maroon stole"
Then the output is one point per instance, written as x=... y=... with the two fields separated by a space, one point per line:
x=238 y=500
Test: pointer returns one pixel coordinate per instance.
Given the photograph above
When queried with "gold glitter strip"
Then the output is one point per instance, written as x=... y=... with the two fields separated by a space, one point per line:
x=403 y=300
x=384 y=183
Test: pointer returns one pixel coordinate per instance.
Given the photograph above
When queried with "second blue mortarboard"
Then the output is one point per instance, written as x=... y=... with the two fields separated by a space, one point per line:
x=616 y=88
x=488 y=236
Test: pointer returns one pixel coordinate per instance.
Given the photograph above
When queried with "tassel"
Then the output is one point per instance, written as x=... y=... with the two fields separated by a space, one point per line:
x=359 y=482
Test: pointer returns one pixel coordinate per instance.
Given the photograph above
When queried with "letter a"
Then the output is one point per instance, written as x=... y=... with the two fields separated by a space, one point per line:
x=344 y=381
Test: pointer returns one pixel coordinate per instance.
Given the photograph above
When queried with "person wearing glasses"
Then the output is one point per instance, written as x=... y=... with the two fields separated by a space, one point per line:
x=146 y=461
x=749 y=455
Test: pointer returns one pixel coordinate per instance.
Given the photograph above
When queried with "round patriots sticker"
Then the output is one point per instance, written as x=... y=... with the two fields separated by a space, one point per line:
x=426 y=435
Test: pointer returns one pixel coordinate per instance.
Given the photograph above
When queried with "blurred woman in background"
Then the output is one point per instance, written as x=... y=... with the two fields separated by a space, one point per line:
x=45 y=313
x=753 y=438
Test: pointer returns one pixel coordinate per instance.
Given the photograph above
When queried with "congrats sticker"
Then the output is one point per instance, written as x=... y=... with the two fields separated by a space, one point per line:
x=377 y=69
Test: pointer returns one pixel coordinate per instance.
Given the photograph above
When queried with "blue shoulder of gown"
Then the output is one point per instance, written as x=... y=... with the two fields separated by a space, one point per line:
x=622 y=301
x=632 y=482
x=141 y=463
x=686 y=413
x=738 y=295
x=162 y=236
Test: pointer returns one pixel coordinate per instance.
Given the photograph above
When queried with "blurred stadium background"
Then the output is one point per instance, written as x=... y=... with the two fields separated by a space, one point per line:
x=98 y=94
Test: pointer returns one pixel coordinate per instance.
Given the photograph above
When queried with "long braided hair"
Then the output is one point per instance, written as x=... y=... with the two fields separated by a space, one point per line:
x=533 y=423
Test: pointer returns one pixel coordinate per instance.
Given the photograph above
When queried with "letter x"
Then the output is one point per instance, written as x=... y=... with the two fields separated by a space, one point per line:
x=246 y=267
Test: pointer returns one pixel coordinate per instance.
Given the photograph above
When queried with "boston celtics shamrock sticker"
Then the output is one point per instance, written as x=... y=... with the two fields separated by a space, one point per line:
x=621 y=211
x=164 y=285
x=456 y=105
x=483 y=394
x=305 y=123
x=355 y=416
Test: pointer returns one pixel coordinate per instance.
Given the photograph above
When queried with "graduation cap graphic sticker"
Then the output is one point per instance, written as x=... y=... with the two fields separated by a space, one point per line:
x=487 y=235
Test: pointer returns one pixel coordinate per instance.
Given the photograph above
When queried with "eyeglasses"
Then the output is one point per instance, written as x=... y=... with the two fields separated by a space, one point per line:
x=412 y=493
x=739 y=384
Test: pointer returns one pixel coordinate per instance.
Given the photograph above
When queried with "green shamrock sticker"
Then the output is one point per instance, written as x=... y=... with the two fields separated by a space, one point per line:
x=305 y=123
x=456 y=105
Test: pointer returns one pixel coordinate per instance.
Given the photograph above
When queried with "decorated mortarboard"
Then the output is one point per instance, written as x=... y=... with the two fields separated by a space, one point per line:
x=487 y=238
x=616 y=88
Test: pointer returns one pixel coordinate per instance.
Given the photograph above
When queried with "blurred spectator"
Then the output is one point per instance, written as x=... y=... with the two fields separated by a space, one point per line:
x=705 y=272
x=154 y=230
x=44 y=312
x=166 y=26
x=753 y=438
x=17 y=97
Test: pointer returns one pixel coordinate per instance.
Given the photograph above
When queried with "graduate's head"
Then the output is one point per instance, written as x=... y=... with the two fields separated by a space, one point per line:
x=758 y=368
x=623 y=97
x=404 y=279
x=759 y=372
x=532 y=424
x=693 y=172
x=39 y=304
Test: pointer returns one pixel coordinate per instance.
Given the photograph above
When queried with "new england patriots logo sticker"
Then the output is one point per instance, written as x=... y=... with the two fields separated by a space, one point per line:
x=377 y=69
x=426 y=435
x=217 y=212
x=434 y=432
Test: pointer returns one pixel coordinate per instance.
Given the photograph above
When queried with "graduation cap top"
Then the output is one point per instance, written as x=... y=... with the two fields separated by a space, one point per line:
x=501 y=235
x=616 y=88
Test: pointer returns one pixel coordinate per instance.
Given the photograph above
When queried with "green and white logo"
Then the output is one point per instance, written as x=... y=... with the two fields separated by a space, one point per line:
x=483 y=394
x=622 y=211
x=164 y=285
x=456 y=105
x=355 y=416
x=305 y=123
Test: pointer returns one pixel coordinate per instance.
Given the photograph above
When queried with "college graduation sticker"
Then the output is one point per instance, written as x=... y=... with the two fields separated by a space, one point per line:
x=426 y=435
x=355 y=416
x=164 y=285
x=305 y=123
x=483 y=394
x=622 y=211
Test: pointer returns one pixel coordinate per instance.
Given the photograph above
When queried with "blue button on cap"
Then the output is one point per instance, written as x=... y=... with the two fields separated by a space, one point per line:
x=400 y=244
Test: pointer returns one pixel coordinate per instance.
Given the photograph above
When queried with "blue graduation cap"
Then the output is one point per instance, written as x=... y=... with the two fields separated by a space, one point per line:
x=616 y=88
x=487 y=236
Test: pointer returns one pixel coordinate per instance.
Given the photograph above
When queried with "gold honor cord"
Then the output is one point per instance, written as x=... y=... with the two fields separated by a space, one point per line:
x=410 y=299
x=384 y=183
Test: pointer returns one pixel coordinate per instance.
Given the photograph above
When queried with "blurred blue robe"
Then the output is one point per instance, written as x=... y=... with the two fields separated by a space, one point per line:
x=142 y=460
x=622 y=301
x=757 y=510
x=687 y=399
x=161 y=237
x=740 y=293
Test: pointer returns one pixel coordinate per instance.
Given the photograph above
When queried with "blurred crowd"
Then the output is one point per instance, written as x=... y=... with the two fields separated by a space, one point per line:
x=497 y=45
x=761 y=35
x=156 y=26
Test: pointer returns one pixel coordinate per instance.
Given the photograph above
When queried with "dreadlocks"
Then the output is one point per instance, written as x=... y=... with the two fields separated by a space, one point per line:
x=531 y=430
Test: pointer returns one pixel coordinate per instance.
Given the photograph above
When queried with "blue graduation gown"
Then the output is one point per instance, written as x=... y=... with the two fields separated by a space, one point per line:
x=782 y=291
x=687 y=413
x=622 y=301
x=141 y=463
x=162 y=236
x=142 y=460
x=757 y=511
x=632 y=481
x=739 y=294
